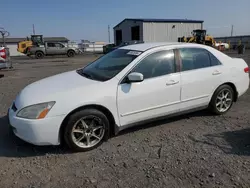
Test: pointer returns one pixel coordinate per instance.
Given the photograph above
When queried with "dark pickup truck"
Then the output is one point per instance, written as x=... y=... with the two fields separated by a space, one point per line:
x=110 y=47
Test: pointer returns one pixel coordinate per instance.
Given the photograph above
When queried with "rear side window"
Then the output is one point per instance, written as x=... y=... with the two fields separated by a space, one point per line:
x=194 y=58
x=51 y=44
x=59 y=45
x=214 y=60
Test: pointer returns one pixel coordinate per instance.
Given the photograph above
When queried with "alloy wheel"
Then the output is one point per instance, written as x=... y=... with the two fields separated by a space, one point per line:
x=224 y=100
x=88 y=131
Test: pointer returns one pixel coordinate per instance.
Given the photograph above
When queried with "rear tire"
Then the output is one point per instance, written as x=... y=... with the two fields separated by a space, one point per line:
x=86 y=130
x=39 y=55
x=222 y=100
x=71 y=53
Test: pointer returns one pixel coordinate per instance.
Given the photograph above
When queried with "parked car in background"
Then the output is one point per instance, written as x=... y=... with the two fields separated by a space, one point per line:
x=128 y=86
x=223 y=45
x=126 y=43
x=51 y=48
x=107 y=48
x=5 y=61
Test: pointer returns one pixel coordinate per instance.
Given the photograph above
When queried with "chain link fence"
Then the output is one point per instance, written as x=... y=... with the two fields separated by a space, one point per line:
x=235 y=41
x=91 y=48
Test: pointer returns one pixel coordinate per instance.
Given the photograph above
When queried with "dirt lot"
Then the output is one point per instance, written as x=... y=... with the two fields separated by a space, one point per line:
x=195 y=150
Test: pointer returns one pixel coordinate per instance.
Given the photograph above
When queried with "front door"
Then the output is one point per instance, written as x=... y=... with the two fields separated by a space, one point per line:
x=157 y=95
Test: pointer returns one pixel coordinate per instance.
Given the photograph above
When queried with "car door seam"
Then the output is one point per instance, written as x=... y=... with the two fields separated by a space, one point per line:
x=148 y=109
x=195 y=98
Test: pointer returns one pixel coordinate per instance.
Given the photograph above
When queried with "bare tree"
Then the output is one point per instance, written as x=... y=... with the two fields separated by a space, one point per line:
x=4 y=34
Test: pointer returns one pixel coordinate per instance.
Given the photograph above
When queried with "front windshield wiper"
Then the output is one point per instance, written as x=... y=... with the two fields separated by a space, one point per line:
x=84 y=74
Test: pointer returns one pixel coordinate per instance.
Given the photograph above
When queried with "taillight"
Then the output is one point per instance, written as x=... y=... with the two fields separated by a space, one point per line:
x=3 y=54
x=246 y=70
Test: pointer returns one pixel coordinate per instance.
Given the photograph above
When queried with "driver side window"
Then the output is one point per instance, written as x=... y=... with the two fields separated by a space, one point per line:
x=157 y=64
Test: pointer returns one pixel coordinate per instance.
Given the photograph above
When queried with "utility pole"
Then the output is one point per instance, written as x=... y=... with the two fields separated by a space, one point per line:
x=232 y=30
x=33 y=29
x=109 y=33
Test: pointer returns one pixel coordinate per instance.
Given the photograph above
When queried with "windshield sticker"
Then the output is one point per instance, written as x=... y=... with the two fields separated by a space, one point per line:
x=134 y=53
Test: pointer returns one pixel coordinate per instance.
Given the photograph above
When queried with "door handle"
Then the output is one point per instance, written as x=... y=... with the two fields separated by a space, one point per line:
x=216 y=72
x=172 y=82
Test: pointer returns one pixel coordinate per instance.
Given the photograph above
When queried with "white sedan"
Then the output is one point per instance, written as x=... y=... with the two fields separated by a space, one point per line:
x=128 y=86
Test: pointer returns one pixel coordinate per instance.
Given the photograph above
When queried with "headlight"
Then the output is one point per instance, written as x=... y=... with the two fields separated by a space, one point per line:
x=37 y=111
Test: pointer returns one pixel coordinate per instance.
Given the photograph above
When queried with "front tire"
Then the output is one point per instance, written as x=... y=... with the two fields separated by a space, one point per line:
x=222 y=100
x=86 y=130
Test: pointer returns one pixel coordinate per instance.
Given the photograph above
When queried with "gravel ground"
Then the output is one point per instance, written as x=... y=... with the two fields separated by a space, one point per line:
x=194 y=150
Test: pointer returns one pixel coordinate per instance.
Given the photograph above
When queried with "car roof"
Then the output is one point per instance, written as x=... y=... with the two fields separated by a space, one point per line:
x=146 y=46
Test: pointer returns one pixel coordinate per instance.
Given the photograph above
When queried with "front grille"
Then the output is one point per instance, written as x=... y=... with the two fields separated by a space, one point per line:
x=14 y=108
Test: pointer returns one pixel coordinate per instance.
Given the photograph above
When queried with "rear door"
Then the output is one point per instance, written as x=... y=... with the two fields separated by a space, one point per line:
x=55 y=48
x=60 y=48
x=201 y=74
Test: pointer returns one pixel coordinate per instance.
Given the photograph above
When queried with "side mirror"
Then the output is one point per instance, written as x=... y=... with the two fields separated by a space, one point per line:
x=135 y=77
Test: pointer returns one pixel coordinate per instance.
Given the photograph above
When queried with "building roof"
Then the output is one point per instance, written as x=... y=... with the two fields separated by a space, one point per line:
x=161 y=20
x=48 y=39
x=146 y=46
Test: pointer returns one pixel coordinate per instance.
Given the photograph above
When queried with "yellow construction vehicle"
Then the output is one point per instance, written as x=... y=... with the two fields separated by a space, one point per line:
x=35 y=40
x=200 y=37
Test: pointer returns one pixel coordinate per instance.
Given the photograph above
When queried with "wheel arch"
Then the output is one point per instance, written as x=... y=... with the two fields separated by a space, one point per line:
x=71 y=50
x=39 y=51
x=232 y=85
x=101 y=108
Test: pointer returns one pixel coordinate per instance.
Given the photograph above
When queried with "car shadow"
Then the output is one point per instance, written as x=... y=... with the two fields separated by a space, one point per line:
x=1 y=75
x=12 y=146
x=230 y=142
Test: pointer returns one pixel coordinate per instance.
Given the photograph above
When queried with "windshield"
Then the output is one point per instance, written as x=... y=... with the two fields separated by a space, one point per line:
x=109 y=65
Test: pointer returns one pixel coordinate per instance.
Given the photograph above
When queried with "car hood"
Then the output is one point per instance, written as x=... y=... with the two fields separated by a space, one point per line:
x=51 y=88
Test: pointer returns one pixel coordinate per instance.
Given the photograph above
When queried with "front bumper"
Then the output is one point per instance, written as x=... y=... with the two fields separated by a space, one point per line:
x=3 y=65
x=37 y=132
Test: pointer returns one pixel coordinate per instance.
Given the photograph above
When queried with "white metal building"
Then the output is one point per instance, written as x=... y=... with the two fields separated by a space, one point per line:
x=11 y=43
x=154 y=30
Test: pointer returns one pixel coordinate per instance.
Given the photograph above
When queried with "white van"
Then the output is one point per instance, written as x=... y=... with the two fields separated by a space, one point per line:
x=5 y=61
